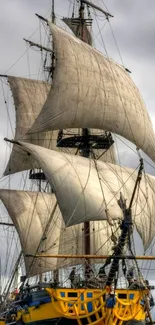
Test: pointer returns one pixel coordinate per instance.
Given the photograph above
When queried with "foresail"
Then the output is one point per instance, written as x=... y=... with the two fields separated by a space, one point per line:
x=30 y=213
x=91 y=91
x=85 y=193
x=29 y=96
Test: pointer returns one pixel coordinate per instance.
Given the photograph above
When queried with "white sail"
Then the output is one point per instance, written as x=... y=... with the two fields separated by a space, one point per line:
x=72 y=242
x=30 y=213
x=91 y=91
x=29 y=96
x=85 y=193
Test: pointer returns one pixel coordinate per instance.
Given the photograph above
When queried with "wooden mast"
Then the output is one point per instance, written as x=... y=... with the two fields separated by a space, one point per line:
x=55 y=272
x=85 y=132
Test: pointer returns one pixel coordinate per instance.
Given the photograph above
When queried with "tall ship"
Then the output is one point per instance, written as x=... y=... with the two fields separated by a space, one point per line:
x=78 y=222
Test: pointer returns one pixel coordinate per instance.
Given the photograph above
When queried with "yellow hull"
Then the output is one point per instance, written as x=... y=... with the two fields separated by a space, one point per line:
x=87 y=306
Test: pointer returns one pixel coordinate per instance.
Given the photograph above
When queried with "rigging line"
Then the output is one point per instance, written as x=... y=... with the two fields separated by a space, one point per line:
x=80 y=237
x=69 y=8
x=115 y=231
x=28 y=59
x=98 y=34
x=105 y=5
x=150 y=263
x=121 y=58
x=134 y=151
x=121 y=186
x=6 y=289
x=118 y=157
x=5 y=101
x=144 y=228
x=9 y=245
x=14 y=256
x=44 y=234
x=24 y=51
x=20 y=57
x=136 y=262
x=40 y=36
x=116 y=84
x=114 y=36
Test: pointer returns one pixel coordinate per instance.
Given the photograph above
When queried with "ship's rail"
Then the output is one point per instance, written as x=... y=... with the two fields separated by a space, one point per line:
x=97 y=306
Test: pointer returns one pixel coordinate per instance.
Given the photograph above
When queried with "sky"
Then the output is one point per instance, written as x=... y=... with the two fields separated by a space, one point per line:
x=133 y=26
x=134 y=29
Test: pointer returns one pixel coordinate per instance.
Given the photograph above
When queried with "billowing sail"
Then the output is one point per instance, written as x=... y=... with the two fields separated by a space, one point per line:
x=30 y=213
x=91 y=91
x=85 y=193
x=29 y=96
x=72 y=242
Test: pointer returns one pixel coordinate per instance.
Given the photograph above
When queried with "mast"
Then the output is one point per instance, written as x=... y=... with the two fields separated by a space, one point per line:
x=53 y=14
x=83 y=143
x=86 y=151
x=55 y=272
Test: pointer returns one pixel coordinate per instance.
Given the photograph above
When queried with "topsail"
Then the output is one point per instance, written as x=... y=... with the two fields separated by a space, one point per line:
x=29 y=96
x=91 y=91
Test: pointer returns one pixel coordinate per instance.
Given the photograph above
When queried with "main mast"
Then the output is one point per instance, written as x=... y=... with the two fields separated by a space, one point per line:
x=85 y=152
x=84 y=142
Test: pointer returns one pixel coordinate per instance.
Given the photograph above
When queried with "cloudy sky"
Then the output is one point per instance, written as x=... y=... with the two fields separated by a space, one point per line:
x=134 y=28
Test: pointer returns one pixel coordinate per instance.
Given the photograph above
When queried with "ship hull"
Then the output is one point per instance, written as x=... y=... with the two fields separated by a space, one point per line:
x=52 y=321
x=84 y=306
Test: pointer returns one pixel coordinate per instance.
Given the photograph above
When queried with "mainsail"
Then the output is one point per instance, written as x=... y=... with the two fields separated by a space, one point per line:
x=88 y=190
x=91 y=91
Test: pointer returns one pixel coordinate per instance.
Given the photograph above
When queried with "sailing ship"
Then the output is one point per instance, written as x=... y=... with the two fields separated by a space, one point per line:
x=64 y=137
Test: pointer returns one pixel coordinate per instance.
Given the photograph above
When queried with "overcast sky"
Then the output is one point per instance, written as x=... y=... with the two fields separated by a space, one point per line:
x=134 y=28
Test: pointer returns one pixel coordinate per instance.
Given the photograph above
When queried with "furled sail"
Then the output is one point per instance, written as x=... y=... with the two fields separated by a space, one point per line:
x=85 y=193
x=29 y=96
x=30 y=213
x=91 y=91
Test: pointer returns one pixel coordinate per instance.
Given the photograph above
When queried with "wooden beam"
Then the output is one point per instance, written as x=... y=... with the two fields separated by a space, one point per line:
x=142 y=257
